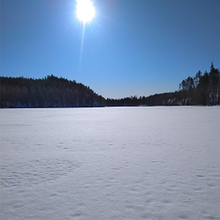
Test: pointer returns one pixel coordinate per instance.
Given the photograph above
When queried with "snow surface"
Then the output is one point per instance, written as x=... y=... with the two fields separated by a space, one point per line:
x=110 y=163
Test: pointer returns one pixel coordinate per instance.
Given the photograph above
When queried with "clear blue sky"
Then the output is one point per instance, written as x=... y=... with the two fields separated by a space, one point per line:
x=131 y=47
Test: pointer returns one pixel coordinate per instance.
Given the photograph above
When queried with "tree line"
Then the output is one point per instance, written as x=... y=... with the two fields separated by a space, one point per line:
x=203 y=89
x=51 y=91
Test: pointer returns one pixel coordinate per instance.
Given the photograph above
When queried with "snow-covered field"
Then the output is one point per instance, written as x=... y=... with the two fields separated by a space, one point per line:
x=110 y=163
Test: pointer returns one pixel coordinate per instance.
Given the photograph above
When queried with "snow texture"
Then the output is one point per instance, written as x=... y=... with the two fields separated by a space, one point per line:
x=110 y=163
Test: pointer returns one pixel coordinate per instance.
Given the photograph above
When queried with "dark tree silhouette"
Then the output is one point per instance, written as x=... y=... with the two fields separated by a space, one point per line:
x=48 y=92
x=52 y=91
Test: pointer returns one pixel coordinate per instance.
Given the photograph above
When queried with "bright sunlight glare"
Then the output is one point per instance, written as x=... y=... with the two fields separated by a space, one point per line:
x=85 y=10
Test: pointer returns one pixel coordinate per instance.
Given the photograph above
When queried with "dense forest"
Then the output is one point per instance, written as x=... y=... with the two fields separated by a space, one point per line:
x=48 y=92
x=203 y=89
x=51 y=91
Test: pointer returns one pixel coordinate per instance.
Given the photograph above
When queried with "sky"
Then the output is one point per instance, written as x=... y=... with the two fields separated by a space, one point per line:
x=131 y=47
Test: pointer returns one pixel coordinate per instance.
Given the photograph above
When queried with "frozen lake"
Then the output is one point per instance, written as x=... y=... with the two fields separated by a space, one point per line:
x=110 y=163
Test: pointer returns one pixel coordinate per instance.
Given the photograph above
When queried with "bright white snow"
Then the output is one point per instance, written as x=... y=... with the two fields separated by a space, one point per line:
x=110 y=163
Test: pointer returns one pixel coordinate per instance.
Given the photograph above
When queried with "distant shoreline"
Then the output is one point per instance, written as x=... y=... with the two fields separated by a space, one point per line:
x=54 y=92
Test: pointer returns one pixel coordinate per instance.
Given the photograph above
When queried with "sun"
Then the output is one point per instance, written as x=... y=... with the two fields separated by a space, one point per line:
x=85 y=10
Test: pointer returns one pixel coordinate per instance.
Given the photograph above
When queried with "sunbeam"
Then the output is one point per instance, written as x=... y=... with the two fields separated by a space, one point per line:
x=81 y=47
x=85 y=12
